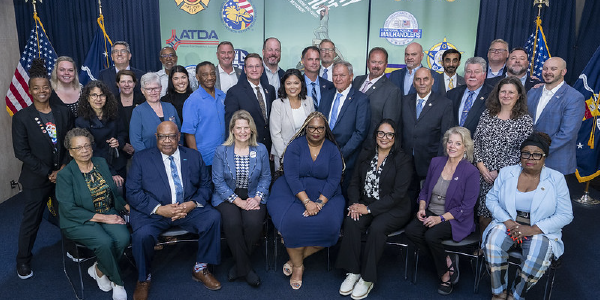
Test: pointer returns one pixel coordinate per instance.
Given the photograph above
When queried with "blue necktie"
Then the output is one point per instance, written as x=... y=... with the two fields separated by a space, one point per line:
x=420 y=107
x=325 y=74
x=314 y=95
x=176 y=181
x=466 y=108
x=334 y=111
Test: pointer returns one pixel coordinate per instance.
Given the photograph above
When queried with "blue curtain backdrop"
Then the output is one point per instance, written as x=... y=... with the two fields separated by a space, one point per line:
x=71 y=26
x=588 y=39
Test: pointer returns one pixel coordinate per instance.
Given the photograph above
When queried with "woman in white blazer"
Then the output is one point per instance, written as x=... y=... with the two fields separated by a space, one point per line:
x=530 y=204
x=288 y=112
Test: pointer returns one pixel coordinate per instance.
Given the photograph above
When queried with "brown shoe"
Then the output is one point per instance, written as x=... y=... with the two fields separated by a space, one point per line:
x=141 y=290
x=500 y=296
x=209 y=281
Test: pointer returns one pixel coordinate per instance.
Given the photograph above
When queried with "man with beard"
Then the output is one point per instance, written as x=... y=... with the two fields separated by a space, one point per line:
x=168 y=58
x=327 y=48
x=450 y=62
x=497 y=54
x=517 y=66
x=403 y=78
x=204 y=114
x=557 y=110
x=384 y=96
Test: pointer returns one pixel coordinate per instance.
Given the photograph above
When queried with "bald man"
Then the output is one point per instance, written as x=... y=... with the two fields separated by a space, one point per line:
x=403 y=78
x=557 y=109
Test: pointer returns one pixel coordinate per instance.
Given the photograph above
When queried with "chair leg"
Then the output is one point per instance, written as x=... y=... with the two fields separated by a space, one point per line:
x=416 y=259
x=406 y=263
x=64 y=253
x=328 y=260
x=549 y=283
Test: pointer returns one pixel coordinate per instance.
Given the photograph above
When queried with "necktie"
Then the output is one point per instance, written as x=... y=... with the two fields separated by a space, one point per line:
x=450 y=84
x=176 y=181
x=420 y=107
x=261 y=102
x=325 y=73
x=467 y=107
x=366 y=87
x=314 y=95
x=334 y=110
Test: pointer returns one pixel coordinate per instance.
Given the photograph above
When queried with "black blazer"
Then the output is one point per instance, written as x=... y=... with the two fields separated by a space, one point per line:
x=34 y=148
x=105 y=130
x=530 y=82
x=241 y=96
x=476 y=110
x=393 y=183
x=423 y=136
x=109 y=77
x=385 y=99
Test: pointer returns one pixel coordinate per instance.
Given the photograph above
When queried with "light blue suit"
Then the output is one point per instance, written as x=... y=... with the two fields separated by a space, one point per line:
x=144 y=121
x=550 y=209
x=224 y=173
x=560 y=119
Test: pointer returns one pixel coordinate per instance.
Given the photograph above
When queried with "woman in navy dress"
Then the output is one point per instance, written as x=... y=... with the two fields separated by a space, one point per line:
x=306 y=205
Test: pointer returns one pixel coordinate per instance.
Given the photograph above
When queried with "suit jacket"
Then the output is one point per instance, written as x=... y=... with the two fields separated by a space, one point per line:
x=238 y=72
x=385 y=98
x=143 y=124
x=327 y=90
x=529 y=81
x=281 y=123
x=560 y=119
x=423 y=136
x=109 y=77
x=394 y=181
x=352 y=124
x=34 y=148
x=551 y=208
x=476 y=110
x=76 y=206
x=459 y=81
x=461 y=194
x=397 y=77
x=224 y=173
x=102 y=131
x=241 y=96
x=147 y=183
x=263 y=78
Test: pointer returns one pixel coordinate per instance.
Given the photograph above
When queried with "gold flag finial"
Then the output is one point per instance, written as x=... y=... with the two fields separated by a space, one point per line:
x=539 y=4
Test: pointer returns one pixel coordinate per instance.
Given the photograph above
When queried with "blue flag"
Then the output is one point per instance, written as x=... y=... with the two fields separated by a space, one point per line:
x=98 y=58
x=537 y=49
x=588 y=84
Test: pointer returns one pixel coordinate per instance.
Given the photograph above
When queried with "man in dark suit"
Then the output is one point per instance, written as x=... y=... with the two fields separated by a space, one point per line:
x=316 y=86
x=425 y=119
x=384 y=96
x=121 y=55
x=251 y=95
x=349 y=114
x=403 y=78
x=451 y=62
x=170 y=186
x=557 y=110
x=468 y=101
x=516 y=66
x=272 y=55
x=227 y=73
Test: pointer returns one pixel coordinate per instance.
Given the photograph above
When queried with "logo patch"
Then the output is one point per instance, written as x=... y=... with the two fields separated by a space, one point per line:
x=192 y=7
x=400 y=28
x=238 y=15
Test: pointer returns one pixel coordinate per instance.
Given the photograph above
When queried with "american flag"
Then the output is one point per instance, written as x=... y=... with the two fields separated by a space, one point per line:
x=537 y=50
x=38 y=46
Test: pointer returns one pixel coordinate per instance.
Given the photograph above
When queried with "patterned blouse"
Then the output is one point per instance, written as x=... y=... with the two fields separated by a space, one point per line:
x=242 y=175
x=101 y=195
x=371 y=186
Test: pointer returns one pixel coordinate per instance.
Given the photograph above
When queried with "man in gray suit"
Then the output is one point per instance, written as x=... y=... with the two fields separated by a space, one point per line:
x=451 y=62
x=227 y=74
x=385 y=97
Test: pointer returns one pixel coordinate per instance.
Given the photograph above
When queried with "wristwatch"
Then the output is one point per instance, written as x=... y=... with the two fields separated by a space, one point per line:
x=442 y=218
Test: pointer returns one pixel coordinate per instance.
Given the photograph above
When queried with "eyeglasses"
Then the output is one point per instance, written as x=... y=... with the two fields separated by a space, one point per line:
x=153 y=90
x=476 y=72
x=122 y=51
x=388 y=135
x=313 y=129
x=327 y=49
x=164 y=137
x=493 y=50
x=170 y=55
x=534 y=156
x=96 y=96
x=79 y=148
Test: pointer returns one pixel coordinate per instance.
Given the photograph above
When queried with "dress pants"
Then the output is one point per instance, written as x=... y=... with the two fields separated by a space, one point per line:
x=376 y=228
x=431 y=239
x=204 y=221
x=35 y=203
x=242 y=230
x=108 y=241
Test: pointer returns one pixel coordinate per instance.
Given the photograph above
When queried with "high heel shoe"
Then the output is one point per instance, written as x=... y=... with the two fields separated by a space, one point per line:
x=296 y=284
x=287 y=269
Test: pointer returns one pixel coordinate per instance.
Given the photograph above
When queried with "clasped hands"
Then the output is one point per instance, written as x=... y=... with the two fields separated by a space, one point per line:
x=311 y=208
x=248 y=204
x=356 y=210
x=519 y=232
x=428 y=221
x=176 y=211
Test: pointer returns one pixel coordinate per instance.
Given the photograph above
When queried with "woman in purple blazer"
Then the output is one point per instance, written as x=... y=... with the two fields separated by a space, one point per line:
x=446 y=204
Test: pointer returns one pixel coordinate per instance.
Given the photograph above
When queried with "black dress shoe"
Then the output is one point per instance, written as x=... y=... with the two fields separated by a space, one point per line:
x=24 y=270
x=252 y=279
x=232 y=275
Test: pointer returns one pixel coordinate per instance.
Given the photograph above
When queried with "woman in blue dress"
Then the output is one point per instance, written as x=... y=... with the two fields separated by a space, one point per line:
x=306 y=205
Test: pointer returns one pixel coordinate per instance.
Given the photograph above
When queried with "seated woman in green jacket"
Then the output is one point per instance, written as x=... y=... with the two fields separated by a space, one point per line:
x=89 y=207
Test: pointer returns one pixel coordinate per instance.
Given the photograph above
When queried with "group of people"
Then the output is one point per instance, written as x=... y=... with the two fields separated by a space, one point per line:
x=320 y=150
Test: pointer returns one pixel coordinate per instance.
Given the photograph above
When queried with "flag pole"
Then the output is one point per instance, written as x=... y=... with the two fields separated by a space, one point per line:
x=586 y=198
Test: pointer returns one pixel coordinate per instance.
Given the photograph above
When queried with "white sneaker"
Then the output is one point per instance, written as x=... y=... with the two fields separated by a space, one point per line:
x=362 y=289
x=103 y=282
x=119 y=292
x=349 y=283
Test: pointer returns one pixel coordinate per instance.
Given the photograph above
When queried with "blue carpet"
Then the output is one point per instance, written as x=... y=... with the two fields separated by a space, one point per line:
x=576 y=279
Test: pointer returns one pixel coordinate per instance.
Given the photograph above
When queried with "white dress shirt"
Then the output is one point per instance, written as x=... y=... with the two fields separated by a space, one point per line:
x=262 y=92
x=545 y=98
x=227 y=79
x=342 y=100
x=447 y=80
